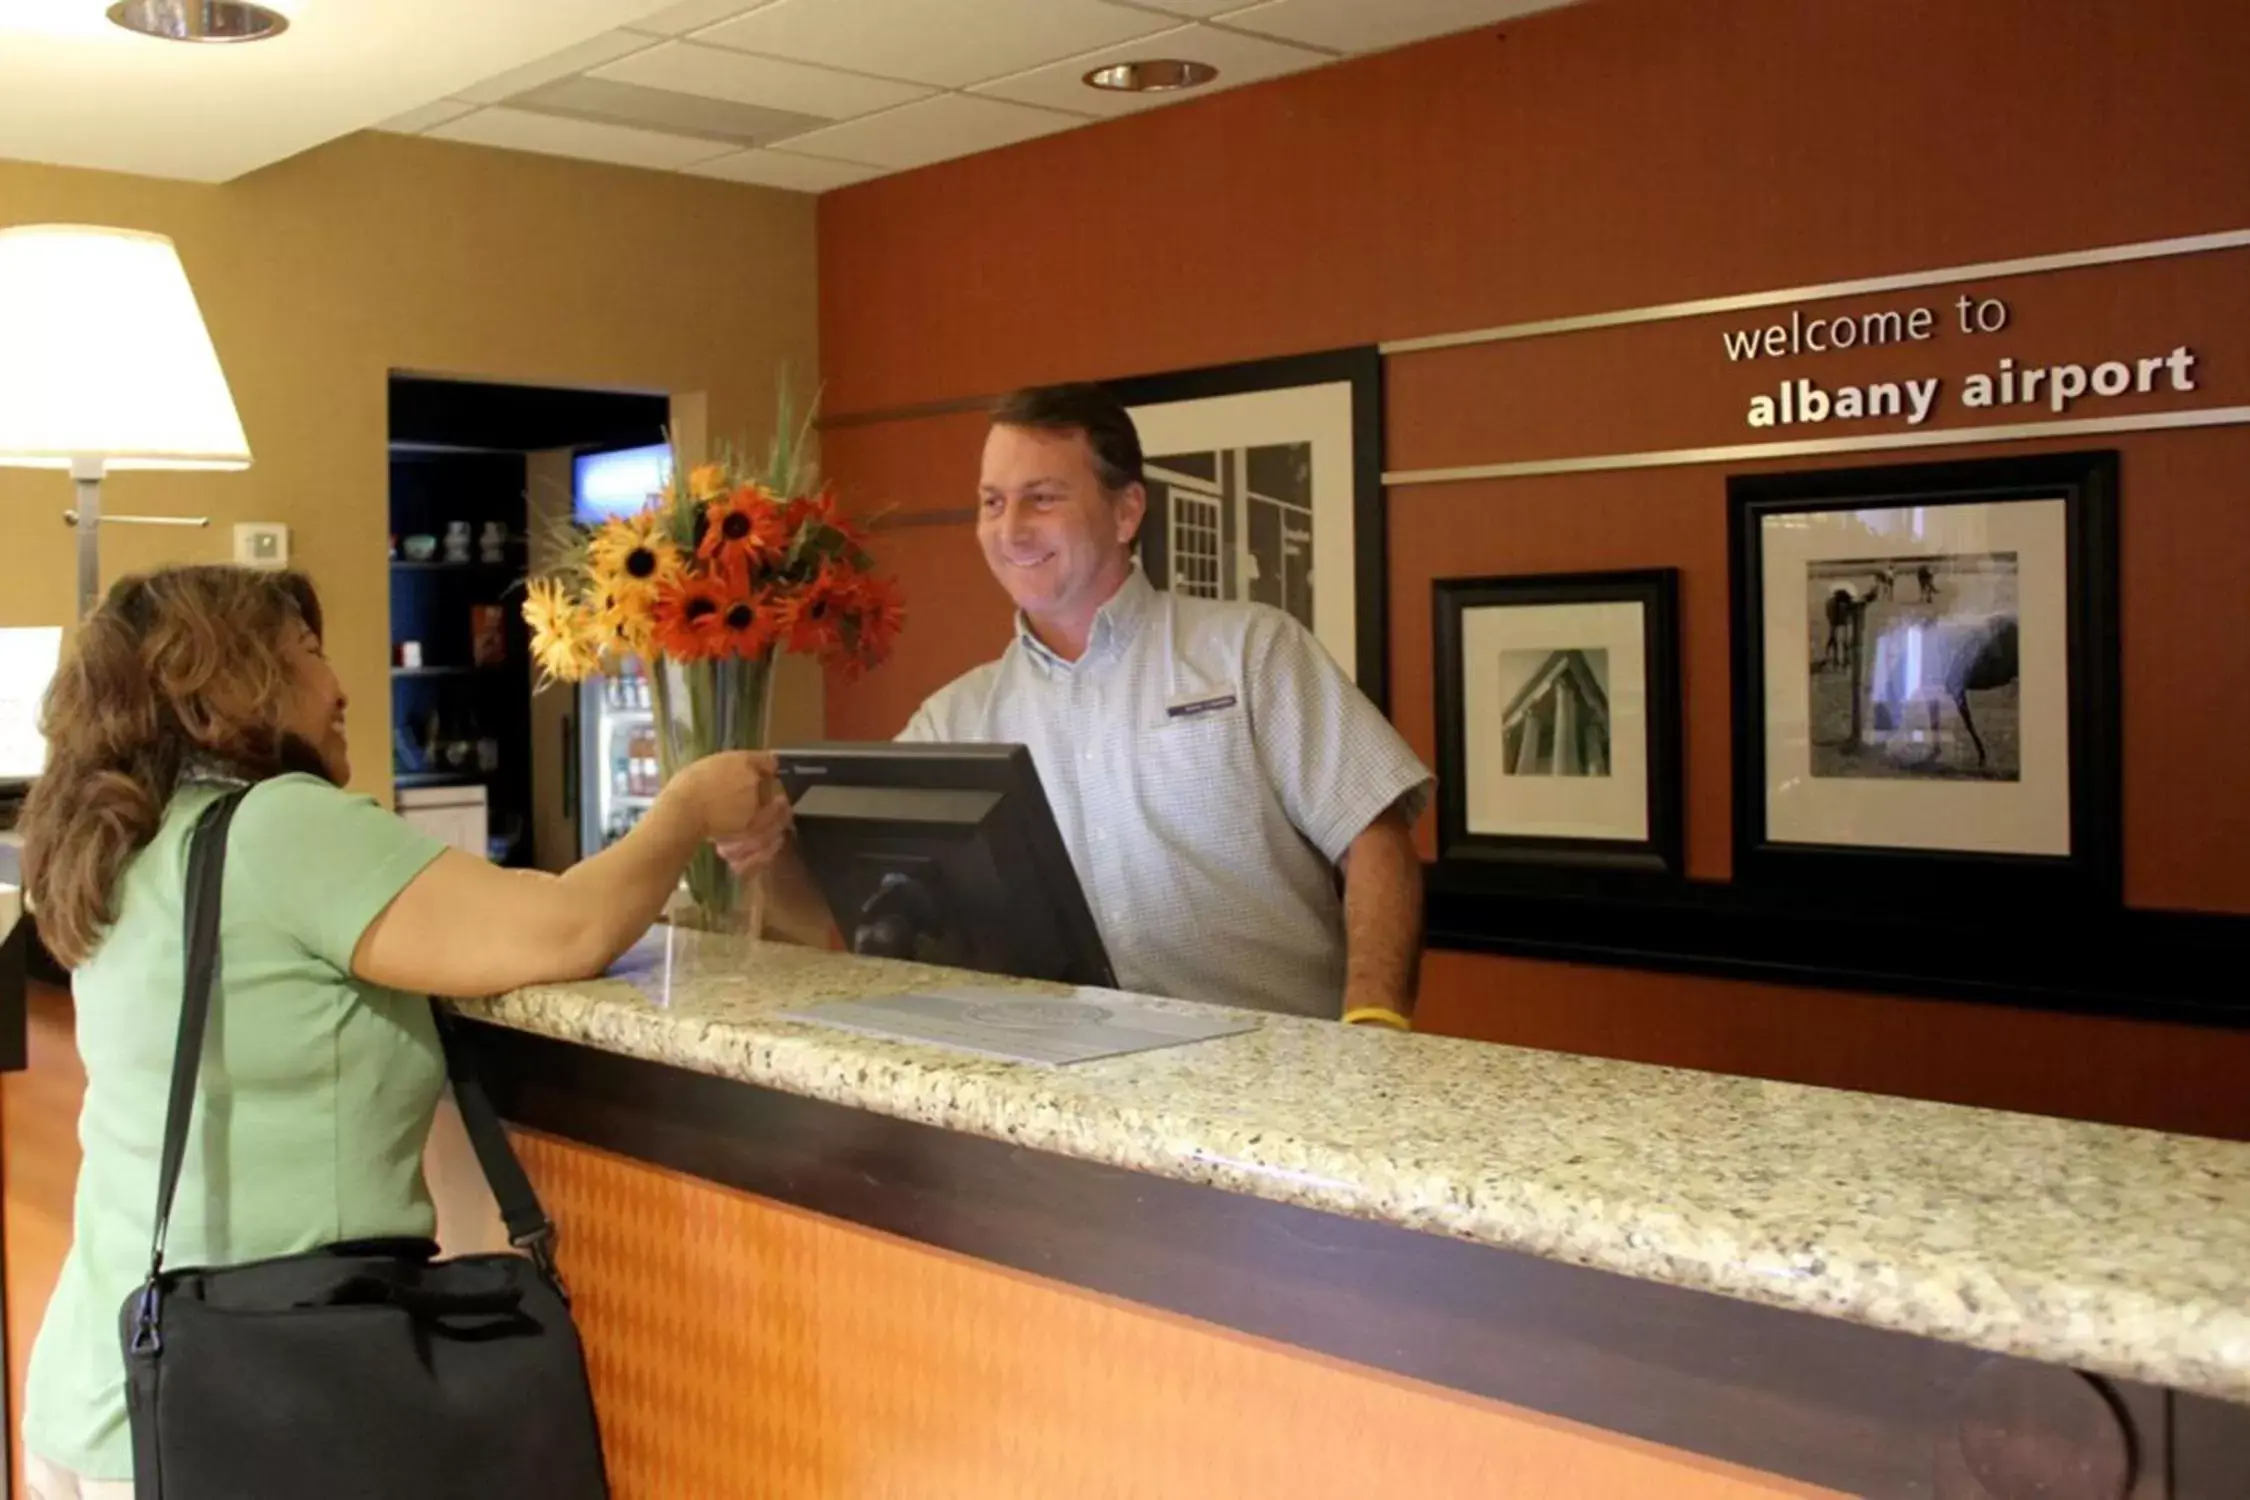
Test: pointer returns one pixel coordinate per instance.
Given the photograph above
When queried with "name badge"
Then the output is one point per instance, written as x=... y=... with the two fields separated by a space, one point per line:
x=1198 y=703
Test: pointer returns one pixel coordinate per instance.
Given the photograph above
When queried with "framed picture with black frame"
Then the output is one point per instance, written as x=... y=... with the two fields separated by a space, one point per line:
x=1558 y=728
x=1926 y=710
x=1265 y=482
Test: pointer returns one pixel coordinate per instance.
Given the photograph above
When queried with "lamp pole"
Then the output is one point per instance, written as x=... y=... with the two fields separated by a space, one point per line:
x=86 y=475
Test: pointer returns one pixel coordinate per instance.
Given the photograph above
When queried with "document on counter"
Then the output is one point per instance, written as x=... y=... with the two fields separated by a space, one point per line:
x=1046 y=1029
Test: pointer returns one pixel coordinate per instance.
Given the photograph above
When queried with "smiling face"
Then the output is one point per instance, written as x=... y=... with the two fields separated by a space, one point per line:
x=1057 y=541
x=314 y=709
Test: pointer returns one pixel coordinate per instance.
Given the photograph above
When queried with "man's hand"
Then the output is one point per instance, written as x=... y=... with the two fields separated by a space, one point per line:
x=795 y=910
x=760 y=842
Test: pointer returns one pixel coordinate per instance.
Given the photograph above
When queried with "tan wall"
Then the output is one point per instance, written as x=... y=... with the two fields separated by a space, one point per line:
x=323 y=274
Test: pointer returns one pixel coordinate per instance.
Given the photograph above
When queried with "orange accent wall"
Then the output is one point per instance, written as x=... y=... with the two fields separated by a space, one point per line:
x=1614 y=154
x=754 y=1349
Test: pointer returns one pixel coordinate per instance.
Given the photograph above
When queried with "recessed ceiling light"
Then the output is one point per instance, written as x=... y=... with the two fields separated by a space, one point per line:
x=1157 y=76
x=204 y=20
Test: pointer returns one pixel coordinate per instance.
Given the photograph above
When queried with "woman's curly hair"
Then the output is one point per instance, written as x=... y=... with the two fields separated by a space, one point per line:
x=178 y=668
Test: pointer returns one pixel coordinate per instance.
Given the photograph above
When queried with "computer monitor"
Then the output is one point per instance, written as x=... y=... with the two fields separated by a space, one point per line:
x=947 y=854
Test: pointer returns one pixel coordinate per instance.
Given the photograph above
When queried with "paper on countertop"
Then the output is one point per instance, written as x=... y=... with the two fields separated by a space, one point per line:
x=1050 y=1030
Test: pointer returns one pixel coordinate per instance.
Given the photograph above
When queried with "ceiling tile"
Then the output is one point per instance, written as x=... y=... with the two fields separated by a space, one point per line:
x=552 y=135
x=614 y=103
x=786 y=169
x=939 y=129
x=716 y=73
x=950 y=43
x=590 y=53
x=415 y=121
x=1192 y=8
x=679 y=20
x=1371 y=25
x=1240 y=59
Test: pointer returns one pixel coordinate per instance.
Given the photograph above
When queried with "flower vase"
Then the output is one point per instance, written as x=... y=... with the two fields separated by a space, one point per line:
x=702 y=708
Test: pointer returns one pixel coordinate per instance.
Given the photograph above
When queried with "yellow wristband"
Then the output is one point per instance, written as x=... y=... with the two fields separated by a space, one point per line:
x=1379 y=1016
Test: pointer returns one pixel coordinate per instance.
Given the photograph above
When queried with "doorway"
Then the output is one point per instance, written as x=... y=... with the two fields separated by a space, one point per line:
x=483 y=475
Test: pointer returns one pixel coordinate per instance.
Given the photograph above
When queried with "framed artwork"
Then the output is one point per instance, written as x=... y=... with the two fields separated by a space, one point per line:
x=1558 y=723
x=1265 y=482
x=1926 y=683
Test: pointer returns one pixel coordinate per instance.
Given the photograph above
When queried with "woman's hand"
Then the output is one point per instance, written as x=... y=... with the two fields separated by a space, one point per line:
x=732 y=793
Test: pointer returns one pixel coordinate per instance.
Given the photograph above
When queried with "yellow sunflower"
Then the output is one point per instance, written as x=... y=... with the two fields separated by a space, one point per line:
x=706 y=482
x=564 y=643
x=626 y=620
x=634 y=554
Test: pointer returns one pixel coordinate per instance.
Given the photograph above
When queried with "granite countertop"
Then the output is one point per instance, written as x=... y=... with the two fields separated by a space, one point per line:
x=2125 y=1252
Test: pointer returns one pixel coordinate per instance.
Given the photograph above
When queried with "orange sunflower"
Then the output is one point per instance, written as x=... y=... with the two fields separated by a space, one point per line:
x=873 y=615
x=746 y=628
x=812 y=619
x=689 y=619
x=747 y=525
x=821 y=511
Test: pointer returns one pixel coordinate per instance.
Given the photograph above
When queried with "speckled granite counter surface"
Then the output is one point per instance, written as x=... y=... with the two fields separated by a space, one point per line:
x=2120 y=1251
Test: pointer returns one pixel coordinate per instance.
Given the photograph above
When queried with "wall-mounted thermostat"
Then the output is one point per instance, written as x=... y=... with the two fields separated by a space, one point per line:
x=261 y=544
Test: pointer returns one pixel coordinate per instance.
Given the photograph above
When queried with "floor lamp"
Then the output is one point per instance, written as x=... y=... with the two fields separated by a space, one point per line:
x=105 y=364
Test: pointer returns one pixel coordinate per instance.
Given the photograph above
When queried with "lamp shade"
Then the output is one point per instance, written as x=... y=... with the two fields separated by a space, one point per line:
x=104 y=356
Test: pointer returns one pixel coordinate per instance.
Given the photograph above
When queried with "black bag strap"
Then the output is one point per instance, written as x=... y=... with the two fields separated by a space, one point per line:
x=529 y=1228
x=207 y=863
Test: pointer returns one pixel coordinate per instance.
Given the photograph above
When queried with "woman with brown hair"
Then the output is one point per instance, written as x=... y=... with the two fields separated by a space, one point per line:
x=323 y=1069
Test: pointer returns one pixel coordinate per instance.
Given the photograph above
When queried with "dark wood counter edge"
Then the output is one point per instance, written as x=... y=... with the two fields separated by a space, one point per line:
x=1817 y=1399
x=15 y=1052
x=15 y=1013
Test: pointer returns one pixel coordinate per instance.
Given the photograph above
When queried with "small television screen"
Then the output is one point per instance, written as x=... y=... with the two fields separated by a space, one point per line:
x=28 y=656
x=618 y=482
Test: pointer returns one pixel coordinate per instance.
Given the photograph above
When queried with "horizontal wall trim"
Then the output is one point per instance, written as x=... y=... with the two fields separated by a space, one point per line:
x=961 y=515
x=951 y=407
x=2209 y=416
x=1703 y=307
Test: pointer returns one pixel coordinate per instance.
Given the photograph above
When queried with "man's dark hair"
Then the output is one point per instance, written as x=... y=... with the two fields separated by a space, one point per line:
x=1080 y=408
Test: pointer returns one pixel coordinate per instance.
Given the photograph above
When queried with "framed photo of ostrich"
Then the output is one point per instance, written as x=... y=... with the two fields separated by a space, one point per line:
x=1926 y=682
x=1558 y=729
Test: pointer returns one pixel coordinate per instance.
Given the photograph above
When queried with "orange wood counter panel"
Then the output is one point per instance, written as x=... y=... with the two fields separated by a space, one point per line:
x=787 y=1297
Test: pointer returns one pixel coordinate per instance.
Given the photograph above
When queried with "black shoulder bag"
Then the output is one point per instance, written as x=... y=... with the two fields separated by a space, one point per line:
x=362 y=1371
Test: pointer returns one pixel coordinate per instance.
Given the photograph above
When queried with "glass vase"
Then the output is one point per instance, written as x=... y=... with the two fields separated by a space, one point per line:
x=703 y=707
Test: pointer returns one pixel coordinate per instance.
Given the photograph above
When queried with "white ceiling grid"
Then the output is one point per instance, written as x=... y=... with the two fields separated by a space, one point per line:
x=805 y=95
x=861 y=88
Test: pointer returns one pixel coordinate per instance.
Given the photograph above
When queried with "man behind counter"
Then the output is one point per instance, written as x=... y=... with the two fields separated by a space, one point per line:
x=1237 y=810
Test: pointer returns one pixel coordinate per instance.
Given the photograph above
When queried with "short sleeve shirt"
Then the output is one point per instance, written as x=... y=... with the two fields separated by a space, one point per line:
x=1208 y=763
x=315 y=1096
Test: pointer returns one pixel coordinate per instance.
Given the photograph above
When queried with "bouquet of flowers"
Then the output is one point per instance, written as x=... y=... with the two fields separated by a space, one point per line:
x=701 y=591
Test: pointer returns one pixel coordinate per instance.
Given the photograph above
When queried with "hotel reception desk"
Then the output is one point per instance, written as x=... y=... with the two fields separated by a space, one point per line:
x=1313 y=1261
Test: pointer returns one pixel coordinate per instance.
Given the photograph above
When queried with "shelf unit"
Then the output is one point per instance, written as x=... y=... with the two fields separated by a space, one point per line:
x=439 y=565
x=404 y=779
x=450 y=670
x=453 y=699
